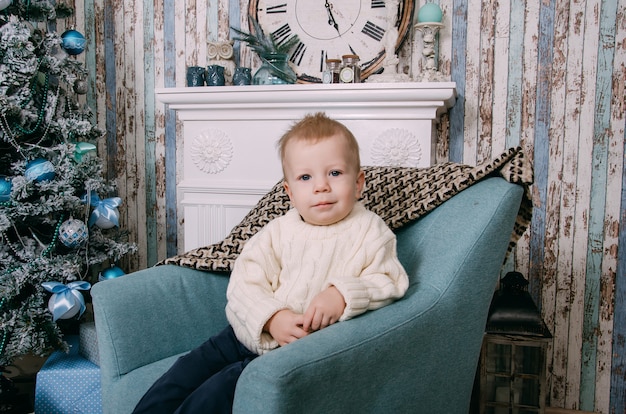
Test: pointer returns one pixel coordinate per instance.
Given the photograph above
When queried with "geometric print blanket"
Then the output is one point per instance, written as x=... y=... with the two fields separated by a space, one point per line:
x=398 y=195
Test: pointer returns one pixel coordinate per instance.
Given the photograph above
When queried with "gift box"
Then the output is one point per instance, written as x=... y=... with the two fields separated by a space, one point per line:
x=68 y=383
x=89 y=342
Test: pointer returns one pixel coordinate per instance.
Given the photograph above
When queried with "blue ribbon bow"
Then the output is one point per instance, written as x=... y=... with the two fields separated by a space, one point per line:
x=66 y=297
x=103 y=208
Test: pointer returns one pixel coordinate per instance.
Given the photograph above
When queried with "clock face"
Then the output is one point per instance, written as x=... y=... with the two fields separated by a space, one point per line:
x=329 y=29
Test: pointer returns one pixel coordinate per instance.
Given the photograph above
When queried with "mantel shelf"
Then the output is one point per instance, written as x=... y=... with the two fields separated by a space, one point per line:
x=438 y=96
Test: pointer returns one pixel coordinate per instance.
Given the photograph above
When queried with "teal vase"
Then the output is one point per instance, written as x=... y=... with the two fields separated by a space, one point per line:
x=274 y=70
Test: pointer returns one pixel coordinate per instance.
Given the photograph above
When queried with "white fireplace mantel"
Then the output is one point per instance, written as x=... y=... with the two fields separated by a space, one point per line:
x=230 y=134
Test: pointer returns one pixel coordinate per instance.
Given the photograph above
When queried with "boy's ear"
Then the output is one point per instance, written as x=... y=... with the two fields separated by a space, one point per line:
x=287 y=189
x=360 y=184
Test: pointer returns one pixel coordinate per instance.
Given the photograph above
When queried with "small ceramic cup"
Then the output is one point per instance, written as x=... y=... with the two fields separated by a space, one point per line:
x=242 y=76
x=215 y=75
x=195 y=76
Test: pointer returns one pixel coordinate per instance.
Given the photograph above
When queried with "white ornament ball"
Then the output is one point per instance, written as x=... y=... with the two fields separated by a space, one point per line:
x=73 y=233
x=4 y=4
x=104 y=223
x=71 y=312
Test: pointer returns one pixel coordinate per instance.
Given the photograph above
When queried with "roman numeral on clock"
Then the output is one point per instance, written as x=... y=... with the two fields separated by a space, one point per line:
x=373 y=31
x=281 y=34
x=279 y=8
x=323 y=57
x=378 y=4
x=298 y=53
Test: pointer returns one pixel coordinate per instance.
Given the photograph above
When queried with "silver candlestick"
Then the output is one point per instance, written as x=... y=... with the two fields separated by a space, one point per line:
x=429 y=22
x=429 y=71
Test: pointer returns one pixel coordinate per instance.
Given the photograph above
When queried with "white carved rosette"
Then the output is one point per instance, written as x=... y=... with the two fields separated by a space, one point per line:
x=211 y=151
x=396 y=147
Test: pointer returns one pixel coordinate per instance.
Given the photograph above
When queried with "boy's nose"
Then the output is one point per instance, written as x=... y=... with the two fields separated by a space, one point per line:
x=321 y=185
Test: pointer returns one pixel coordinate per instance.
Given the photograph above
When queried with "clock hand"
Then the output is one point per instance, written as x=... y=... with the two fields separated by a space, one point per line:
x=331 y=18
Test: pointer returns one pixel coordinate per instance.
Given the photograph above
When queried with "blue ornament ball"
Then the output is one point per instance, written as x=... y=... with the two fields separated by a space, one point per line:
x=430 y=13
x=73 y=42
x=39 y=170
x=110 y=273
x=73 y=233
x=6 y=185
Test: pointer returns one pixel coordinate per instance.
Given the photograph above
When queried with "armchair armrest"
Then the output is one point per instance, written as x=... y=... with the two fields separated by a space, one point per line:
x=343 y=368
x=155 y=313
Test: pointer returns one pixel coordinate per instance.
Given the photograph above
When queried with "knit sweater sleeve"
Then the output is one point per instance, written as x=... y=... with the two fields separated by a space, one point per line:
x=381 y=279
x=251 y=301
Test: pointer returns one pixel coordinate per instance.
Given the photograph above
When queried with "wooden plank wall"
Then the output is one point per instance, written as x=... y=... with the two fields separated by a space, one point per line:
x=547 y=75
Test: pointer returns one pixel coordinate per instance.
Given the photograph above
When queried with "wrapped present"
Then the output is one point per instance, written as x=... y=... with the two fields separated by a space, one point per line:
x=89 y=342
x=68 y=383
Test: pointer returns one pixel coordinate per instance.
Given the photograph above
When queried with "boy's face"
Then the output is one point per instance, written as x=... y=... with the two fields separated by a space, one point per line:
x=321 y=180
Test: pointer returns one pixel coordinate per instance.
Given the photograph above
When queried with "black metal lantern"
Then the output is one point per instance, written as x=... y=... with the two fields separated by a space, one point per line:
x=512 y=364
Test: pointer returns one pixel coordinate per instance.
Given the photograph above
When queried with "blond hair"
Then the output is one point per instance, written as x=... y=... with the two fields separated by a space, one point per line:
x=317 y=127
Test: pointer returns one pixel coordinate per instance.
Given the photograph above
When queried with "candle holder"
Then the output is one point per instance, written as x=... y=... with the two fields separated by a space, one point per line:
x=512 y=375
x=390 y=64
x=429 y=72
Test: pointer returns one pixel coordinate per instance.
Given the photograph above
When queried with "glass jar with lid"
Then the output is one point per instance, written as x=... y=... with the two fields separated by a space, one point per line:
x=350 y=69
x=331 y=74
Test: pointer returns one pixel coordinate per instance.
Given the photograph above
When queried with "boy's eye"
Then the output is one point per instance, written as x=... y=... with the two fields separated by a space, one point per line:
x=305 y=177
x=335 y=173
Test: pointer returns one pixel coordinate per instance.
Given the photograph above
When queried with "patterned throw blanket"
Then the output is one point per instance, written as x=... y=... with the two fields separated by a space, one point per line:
x=398 y=194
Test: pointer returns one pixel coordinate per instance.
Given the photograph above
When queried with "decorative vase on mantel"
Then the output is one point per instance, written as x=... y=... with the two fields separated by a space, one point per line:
x=274 y=70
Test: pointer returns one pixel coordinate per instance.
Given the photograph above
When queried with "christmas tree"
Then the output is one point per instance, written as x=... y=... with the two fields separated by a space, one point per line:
x=58 y=215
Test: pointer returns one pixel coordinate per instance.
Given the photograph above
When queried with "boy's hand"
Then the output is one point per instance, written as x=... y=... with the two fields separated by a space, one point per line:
x=285 y=326
x=325 y=309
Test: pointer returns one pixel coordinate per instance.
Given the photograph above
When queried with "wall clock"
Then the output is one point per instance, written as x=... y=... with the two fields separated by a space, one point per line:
x=328 y=29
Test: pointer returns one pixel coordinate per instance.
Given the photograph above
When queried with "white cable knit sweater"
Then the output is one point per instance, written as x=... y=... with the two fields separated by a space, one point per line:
x=288 y=262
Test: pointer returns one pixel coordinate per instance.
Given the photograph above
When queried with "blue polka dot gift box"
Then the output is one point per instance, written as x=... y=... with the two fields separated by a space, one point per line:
x=89 y=342
x=68 y=383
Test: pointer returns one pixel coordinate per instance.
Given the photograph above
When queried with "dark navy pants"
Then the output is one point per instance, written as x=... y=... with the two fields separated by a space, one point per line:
x=203 y=381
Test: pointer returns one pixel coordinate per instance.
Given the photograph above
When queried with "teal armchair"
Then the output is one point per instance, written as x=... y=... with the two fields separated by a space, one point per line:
x=417 y=355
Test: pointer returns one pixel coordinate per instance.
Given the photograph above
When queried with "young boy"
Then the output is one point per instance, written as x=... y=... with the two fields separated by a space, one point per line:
x=328 y=259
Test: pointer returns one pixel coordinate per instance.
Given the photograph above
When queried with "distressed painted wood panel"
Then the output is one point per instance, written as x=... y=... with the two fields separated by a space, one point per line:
x=565 y=373
x=617 y=401
x=548 y=76
x=558 y=96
